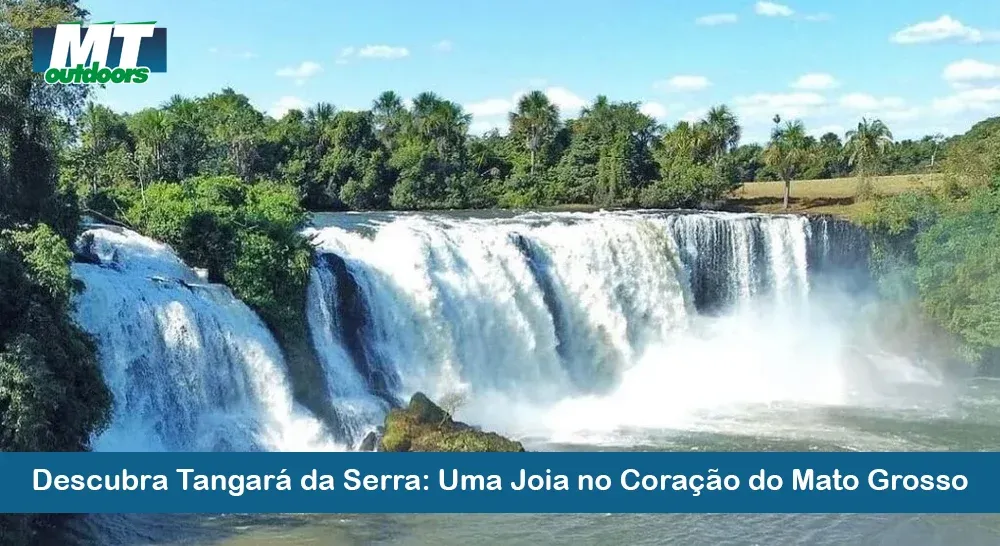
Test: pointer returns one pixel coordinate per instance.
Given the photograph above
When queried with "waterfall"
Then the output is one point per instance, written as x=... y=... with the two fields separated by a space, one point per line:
x=190 y=366
x=544 y=323
x=532 y=311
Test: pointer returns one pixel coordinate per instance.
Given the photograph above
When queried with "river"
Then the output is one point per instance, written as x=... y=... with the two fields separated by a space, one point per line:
x=657 y=331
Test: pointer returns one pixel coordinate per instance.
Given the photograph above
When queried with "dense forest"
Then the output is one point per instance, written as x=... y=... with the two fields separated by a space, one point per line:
x=936 y=250
x=422 y=156
x=228 y=187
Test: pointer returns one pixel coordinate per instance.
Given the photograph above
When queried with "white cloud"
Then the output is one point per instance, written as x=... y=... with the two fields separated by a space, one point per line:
x=284 y=104
x=985 y=99
x=901 y=114
x=770 y=9
x=971 y=70
x=569 y=103
x=717 y=19
x=301 y=72
x=479 y=127
x=815 y=82
x=383 y=52
x=864 y=101
x=654 y=110
x=683 y=83
x=444 y=46
x=818 y=17
x=213 y=50
x=490 y=107
x=884 y=108
x=695 y=115
x=763 y=106
x=824 y=129
x=942 y=29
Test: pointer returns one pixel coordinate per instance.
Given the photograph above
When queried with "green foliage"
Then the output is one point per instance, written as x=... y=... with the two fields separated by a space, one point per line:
x=685 y=184
x=958 y=271
x=944 y=247
x=421 y=155
x=52 y=396
x=866 y=147
x=973 y=159
x=246 y=235
x=788 y=153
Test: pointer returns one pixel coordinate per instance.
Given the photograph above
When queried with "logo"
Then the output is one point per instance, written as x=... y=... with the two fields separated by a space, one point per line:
x=100 y=53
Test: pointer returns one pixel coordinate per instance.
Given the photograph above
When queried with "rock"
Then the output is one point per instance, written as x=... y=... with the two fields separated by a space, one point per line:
x=84 y=252
x=424 y=426
x=369 y=443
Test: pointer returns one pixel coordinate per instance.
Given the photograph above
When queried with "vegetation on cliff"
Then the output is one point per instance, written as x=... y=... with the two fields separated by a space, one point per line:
x=943 y=245
x=424 y=426
x=52 y=395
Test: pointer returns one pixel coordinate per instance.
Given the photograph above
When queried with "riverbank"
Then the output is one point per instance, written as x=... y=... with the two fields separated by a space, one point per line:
x=835 y=197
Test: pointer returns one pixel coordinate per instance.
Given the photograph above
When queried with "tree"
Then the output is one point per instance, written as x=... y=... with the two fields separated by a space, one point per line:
x=722 y=131
x=865 y=149
x=389 y=116
x=535 y=122
x=787 y=153
x=451 y=403
x=151 y=129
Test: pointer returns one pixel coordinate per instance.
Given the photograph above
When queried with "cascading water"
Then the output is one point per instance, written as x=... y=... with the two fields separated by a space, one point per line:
x=191 y=367
x=549 y=325
x=563 y=322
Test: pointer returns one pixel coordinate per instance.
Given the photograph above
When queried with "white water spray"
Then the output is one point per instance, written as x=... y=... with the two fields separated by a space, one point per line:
x=191 y=367
x=562 y=323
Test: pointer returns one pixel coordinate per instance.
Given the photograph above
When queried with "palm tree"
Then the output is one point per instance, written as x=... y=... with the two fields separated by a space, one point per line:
x=684 y=139
x=388 y=113
x=722 y=130
x=787 y=153
x=446 y=126
x=536 y=119
x=866 y=146
x=424 y=106
x=320 y=114
x=151 y=128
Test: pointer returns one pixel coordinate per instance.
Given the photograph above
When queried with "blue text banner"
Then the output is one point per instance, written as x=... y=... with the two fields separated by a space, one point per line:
x=500 y=482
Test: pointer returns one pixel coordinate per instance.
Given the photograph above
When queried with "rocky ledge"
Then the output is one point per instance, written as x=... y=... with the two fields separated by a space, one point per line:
x=424 y=426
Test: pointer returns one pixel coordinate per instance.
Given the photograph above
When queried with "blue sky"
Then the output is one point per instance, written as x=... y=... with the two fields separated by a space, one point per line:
x=923 y=66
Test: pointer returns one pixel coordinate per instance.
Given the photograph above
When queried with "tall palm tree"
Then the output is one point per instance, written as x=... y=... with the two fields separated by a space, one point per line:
x=389 y=115
x=320 y=114
x=787 y=153
x=424 y=106
x=446 y=126
x=722 y=131
x=536 y=120
x=866 y=146
x=684 y=139
x=151 y=128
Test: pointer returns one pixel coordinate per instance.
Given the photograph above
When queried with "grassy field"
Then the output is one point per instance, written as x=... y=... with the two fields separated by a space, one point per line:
x=835 y=196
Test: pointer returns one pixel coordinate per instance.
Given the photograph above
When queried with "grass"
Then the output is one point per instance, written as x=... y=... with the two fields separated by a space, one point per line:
x=835 y=196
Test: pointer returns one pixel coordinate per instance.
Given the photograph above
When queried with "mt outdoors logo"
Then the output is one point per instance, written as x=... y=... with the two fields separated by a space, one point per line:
x=100 y=53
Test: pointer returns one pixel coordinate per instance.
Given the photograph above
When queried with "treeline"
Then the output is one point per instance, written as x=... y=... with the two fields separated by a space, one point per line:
x=942 y=245
x=422 y=156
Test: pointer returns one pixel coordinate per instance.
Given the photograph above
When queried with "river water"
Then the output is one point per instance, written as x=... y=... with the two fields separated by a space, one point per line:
x=606 y=331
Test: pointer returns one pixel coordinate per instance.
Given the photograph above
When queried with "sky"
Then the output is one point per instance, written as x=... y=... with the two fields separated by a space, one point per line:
x=922 y=66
